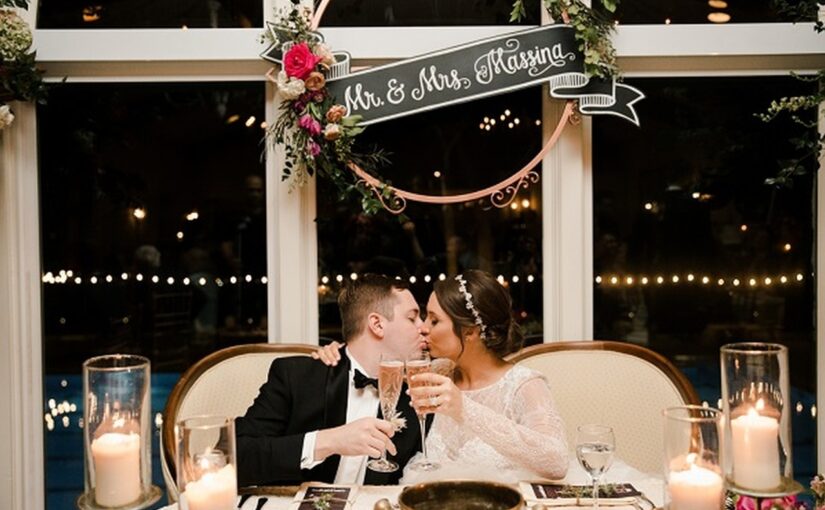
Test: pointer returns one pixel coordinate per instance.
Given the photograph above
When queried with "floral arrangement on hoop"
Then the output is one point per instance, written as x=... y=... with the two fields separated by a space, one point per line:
x=20 y=80
x=319 y=138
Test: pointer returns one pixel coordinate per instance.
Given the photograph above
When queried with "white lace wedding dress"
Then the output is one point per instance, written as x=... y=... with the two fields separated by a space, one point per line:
x=511 y=432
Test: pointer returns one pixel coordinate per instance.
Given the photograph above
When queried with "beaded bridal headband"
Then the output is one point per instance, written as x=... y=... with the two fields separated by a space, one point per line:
x=468 y=299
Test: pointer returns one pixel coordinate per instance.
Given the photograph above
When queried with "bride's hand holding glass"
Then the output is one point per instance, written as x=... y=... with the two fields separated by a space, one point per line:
x=437 y=394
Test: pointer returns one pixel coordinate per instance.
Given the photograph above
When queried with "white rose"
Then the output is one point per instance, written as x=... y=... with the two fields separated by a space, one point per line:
x=324 y=51
x=15 y=36
x=289 y=88
x=332 y=131
x=6 y=117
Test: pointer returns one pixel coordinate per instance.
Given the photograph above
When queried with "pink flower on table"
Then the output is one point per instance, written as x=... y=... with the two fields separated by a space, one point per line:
x=313 y=148
x=786 y=503
x=310 y=125
x=299 y=61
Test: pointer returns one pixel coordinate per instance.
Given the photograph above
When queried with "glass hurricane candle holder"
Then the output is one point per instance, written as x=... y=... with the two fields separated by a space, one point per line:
x=693 y=467
x=756 y=399
x=117 y=433
x=206 y=465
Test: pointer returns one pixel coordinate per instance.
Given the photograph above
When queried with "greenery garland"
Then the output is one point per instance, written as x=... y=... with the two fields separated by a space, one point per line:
x=593 y=31
x=811 y=144
x=319 y=139
x=20 y=80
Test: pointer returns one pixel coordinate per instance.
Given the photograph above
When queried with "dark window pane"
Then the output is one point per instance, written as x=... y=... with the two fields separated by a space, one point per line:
x=152 y=218
x=683 y=199
x=367 y=13
x=439 y=153
x=643 y=12
x=150 y=14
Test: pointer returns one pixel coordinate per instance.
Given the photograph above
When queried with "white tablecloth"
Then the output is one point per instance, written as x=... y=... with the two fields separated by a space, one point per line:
x=365 y=499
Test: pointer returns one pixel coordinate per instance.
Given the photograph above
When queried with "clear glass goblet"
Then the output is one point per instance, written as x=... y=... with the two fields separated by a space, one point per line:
x=595 y=445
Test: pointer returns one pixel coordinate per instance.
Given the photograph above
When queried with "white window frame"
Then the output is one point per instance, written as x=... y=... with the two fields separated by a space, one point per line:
x=231 y=54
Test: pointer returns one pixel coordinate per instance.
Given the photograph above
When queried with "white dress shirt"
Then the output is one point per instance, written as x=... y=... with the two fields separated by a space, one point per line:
x=361 y=403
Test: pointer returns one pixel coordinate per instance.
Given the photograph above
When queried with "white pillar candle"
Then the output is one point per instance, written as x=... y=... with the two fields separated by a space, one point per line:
x=755 y=446
x=215 y=490
x=117 y=469
x=695 y=488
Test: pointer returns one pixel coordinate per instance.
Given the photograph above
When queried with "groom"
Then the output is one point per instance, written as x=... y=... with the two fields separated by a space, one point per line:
x=320 y=423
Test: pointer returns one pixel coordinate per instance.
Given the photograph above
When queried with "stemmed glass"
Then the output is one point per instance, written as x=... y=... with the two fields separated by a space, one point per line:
x=595 y=445
x=390 y=380
x=419 y=363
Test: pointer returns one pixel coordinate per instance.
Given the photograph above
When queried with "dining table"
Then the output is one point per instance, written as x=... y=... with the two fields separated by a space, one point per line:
x=366 y=496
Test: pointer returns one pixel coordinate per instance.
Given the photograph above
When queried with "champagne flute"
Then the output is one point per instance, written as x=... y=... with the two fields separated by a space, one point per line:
x=595 y=445
x=419 y=363
x=390 y=380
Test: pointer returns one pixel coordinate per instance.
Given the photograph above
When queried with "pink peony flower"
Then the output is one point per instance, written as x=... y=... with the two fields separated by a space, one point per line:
x=299 y=61
x=310 y=125
x=786 y=503
x=313 y=148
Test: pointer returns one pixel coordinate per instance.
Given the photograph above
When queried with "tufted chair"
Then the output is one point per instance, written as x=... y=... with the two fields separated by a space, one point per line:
x=619 y=384
x=224 y=383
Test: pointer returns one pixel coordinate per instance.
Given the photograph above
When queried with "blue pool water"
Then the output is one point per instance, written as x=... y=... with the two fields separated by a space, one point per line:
x=64 y=444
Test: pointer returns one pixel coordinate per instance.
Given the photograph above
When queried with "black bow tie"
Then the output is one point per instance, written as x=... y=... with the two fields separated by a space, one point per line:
x=362 y=381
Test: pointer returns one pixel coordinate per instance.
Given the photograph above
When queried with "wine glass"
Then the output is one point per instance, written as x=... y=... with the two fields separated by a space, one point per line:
x=419 y=363
x=390 y=380
x=595 y=445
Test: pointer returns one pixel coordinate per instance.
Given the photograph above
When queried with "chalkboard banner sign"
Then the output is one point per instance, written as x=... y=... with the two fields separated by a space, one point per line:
x=480 y=69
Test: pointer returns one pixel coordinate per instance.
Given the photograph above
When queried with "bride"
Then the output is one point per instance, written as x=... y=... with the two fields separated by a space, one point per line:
x=493 y=419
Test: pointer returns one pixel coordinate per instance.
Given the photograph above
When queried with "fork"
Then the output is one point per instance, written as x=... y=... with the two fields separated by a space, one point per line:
x=244 y=499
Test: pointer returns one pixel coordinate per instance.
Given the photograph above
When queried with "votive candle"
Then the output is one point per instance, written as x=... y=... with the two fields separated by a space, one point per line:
x=215 y=490
x=695 y=488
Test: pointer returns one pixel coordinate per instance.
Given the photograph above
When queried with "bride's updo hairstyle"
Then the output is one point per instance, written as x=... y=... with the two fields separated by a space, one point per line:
x=475 y=299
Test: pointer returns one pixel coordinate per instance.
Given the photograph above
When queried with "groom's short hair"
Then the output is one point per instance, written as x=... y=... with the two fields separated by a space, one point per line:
x=363 y=296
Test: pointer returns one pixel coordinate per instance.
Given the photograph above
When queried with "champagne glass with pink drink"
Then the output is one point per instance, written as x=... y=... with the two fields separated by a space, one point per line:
x=419 y=363
x=390 y=380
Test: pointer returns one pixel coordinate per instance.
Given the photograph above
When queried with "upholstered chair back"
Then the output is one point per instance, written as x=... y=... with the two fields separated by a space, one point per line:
x=223 y=383
x=622 y=385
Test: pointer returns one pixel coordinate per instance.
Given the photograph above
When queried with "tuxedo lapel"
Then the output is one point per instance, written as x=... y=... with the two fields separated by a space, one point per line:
x=337 y=393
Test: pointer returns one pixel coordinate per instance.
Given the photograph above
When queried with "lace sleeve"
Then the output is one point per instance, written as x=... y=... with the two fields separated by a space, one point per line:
x=531 y=433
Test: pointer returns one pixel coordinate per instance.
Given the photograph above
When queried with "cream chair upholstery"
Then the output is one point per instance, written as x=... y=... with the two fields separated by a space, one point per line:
x=613 y=383
x=223 y=383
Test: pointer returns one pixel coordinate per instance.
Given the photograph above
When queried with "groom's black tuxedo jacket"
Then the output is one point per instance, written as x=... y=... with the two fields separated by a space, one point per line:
x=302 y=395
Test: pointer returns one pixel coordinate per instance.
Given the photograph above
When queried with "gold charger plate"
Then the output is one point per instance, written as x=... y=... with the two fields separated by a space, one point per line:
x=460 y=495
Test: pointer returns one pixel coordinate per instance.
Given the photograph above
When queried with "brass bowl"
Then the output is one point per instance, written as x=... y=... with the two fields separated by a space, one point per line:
x=460 y=495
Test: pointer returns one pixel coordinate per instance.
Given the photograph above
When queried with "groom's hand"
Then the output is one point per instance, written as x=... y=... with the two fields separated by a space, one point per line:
x=367 y=436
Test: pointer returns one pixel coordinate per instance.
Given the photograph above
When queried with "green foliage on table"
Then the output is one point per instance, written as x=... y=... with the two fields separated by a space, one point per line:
x=593 y=31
